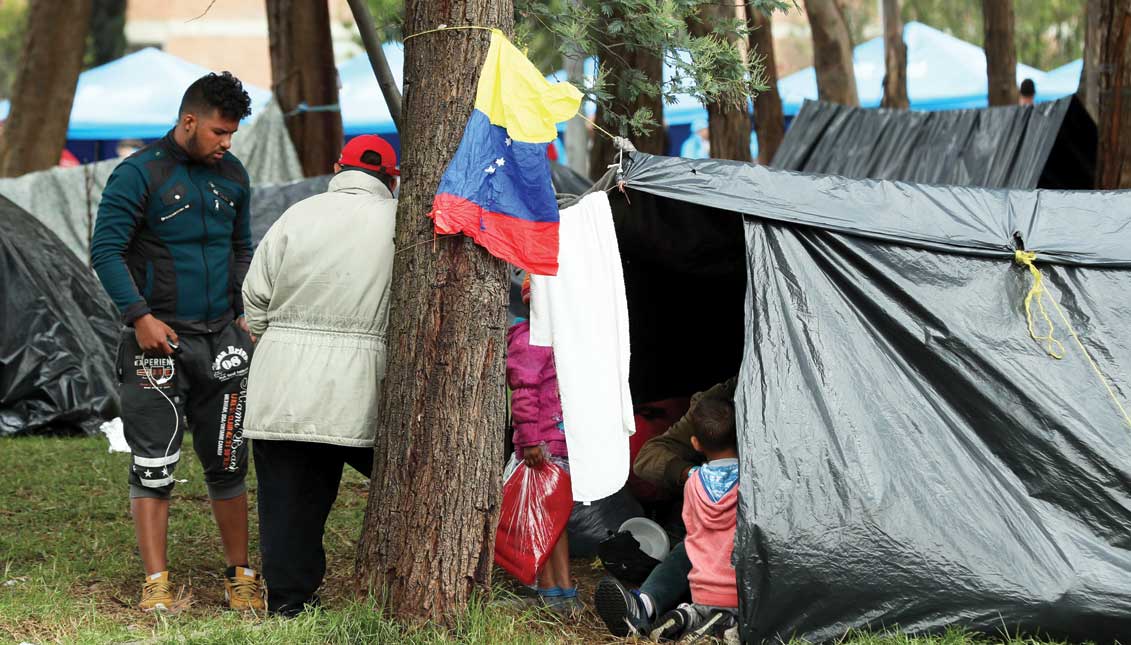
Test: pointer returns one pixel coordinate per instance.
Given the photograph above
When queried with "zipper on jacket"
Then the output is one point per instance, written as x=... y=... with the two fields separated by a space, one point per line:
x=219 y=193
x=176 y=212
x=204 y=254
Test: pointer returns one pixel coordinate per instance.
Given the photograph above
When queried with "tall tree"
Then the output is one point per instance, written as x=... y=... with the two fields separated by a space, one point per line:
x=430 y=523
x=1113 y=167
x=635 y=74
x=1001 y=53
x=728 y=121
x=769 y=120
x=107 y=32
x=44 y=88
x=895 y=59
x=306 y=81
x=1093 y=40
x=832 y=52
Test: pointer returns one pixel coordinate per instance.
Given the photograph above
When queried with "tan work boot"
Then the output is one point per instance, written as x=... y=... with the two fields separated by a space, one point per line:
x=245 y=590
x=157 y=593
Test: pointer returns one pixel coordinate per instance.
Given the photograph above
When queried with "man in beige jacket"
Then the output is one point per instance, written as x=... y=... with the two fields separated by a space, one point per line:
x=317 y=301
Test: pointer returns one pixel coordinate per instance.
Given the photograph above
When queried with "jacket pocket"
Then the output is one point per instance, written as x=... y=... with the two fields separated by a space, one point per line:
x=173 y=213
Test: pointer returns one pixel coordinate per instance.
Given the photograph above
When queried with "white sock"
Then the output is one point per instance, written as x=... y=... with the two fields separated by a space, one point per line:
x=649 y=607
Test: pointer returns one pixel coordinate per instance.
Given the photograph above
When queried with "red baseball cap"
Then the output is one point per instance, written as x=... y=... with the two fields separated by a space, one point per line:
x=359 y=145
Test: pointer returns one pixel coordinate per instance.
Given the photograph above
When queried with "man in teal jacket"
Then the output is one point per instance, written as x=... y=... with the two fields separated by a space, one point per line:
x=171 y=245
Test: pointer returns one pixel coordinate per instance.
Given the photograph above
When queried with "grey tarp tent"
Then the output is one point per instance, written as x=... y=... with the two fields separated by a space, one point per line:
x=58 y=334
x=910 y=457
x=1048 y=145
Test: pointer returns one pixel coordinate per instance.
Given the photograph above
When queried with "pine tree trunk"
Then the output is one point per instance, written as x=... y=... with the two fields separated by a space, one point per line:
x=602 y=152
x=1001 y=54
x=44 y=89
x=729 y=124
x=303 y=72
x=430 y=523
x=1089 y=79
x=1113 y=167
x=895 y=59
x=832 y=52
x=769 y=120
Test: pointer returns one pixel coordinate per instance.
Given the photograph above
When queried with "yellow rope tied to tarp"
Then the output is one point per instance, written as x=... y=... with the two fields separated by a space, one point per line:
x=1037 y=292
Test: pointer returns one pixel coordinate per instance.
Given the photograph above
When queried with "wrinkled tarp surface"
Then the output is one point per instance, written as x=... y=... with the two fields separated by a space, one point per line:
x=66 y=199
x=1049 y=145
x=58 y=334
x=911 y=458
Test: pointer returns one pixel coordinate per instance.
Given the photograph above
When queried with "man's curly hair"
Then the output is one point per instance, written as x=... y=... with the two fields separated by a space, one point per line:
x=222 y=92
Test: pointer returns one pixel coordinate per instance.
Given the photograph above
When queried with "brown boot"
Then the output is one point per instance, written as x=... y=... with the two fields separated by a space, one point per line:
x=157 y=593
x=245 y=590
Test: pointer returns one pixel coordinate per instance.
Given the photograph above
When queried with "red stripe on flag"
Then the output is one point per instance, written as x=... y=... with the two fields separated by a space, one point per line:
x=530 y=245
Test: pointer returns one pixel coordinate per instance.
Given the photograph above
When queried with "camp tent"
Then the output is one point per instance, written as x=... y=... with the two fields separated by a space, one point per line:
x=943 y=73
x=58 y=334
x=136 y=96
x=364 y=110
x=1049 y=145
x=911 y=457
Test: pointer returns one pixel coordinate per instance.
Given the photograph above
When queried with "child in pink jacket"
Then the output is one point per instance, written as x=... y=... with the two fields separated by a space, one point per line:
x=539 y=437
x=710 y=513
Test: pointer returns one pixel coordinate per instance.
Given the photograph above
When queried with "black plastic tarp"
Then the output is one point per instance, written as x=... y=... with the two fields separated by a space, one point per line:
x=1048 y=145
x=58 y=334
x=911 y=458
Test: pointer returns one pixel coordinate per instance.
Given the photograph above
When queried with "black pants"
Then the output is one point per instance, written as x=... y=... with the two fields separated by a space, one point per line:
x=298 y=483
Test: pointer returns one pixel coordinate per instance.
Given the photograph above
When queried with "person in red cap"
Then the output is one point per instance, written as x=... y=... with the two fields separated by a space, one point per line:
x=317 y=304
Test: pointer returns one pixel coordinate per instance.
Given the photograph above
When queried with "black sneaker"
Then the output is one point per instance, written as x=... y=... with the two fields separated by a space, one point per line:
x=621 y=609
x=715 y=626
x=673 y=625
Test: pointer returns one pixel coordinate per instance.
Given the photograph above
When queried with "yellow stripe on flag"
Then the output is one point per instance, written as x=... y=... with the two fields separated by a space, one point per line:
x=514 y=95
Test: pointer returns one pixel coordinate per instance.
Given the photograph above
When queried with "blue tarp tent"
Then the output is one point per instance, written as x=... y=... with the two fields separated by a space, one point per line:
x=943 y=73
x=135 y=97
x=1061 y=81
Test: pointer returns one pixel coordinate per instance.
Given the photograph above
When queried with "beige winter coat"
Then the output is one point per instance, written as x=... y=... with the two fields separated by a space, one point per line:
x=317 y=298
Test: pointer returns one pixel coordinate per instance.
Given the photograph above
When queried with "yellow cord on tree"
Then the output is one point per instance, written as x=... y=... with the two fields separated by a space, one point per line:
x=1037 y=292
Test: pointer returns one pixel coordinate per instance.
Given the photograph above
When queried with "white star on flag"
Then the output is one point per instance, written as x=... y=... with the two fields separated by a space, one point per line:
x=507 y=141
x=500 y=162
x=490 y=170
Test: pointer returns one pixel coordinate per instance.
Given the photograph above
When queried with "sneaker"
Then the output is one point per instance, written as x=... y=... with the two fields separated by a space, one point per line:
x=714 y=626
x=245 y=590
x=156 y=593
x=566 y=603
x=674 y=624
x=621 y=609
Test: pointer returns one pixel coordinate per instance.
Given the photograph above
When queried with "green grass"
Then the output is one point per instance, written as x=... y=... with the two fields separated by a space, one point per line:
x=70 y=573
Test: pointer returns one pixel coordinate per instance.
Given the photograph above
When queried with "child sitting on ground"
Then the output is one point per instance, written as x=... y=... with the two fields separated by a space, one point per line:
x=710 y=511
x=539 y=438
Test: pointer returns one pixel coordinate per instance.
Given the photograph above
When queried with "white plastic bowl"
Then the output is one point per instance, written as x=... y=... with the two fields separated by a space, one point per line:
x=652 y=537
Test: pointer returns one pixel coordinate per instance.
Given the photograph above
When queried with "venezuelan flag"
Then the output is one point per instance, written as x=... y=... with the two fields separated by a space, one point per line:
x=497 y=188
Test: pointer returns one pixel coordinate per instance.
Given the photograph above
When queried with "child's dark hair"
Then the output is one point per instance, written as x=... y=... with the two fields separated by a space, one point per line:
x=713 y=420
x=222 y=92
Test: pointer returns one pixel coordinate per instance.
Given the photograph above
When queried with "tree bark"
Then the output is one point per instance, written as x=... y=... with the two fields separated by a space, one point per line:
x=602 y=152
x=1113 y=167
x=769 y=120
x=729 y=124
x=832 y=52
x=1001 y=53
x=44 y=88
x=429 y=530
x=895 y=59
x=306 y=80
x=1089 y=79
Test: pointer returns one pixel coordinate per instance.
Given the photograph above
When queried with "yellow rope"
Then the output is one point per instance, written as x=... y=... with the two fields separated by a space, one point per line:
x=599 y=128
x=432 y=31
x=1038 y=292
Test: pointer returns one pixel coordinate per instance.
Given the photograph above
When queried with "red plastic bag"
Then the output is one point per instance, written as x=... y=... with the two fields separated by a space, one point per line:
x=536 y=507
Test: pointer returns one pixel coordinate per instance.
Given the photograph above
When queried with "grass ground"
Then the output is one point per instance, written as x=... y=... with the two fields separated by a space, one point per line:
x=69 y=570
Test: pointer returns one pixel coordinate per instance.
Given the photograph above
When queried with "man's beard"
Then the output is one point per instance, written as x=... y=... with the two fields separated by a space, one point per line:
x=198 y=155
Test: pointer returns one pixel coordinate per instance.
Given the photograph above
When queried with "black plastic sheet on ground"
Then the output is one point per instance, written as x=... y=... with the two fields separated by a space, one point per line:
x=58 y=334
x=911 y=458
x=1048 y=145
